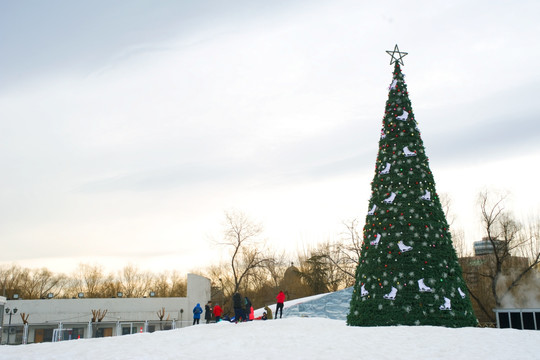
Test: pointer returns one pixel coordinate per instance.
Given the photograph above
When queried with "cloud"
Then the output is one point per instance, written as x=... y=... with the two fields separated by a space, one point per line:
x=498 y=126
x=185 y=175
x=149 y=125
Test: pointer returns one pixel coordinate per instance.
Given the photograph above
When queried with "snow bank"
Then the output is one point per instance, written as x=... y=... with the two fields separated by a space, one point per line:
x=314 y=328
x=294 y=338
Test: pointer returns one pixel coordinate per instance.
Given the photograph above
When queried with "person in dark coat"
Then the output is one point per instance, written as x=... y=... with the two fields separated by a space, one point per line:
x=238 y=308
x=208 y=312
x=197 y=311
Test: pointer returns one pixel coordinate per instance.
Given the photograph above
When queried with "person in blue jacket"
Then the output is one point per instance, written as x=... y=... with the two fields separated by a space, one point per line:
x=197 y=311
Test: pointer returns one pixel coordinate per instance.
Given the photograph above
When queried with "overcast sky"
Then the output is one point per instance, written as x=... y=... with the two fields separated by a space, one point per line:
x=127 y=128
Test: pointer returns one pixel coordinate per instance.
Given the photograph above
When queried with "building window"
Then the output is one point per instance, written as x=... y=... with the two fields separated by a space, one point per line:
x=104 y=332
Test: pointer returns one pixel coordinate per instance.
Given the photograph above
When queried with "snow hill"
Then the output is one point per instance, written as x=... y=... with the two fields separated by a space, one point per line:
x=331 y=306
x=300 y=335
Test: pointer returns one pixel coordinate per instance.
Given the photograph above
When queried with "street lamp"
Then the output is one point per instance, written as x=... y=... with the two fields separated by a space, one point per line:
x=10 y=312
x=222 y=294
x=181 y=312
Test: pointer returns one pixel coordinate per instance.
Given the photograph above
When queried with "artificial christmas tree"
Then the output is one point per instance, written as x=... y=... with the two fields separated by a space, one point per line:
x=408 y=272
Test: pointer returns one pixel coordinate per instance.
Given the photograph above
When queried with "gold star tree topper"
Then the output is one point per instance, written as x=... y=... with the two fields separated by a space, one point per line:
x=397 y=56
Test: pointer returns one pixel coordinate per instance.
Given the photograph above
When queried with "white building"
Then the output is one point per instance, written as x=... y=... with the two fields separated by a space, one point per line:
x=68 y=319
x=2 y=307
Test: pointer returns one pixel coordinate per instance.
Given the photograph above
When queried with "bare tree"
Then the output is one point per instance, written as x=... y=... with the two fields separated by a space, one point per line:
x=242 y=237
x=134 y=283
x=10 y=279
x=97 y=316
x=275 y=267
x=161 y=314
x=168 y=284
x=320 y=270
x=458 y=240
x=458 y=235
x=446 y=204
x=110 y=286
x=24 y=318
x=344 y=254
x=222 y=283
x=506 y=236
x=89 y=279
x=161 y=285
x=178 y=285
x=350 y=248
x=37 y=284
x=532 y=230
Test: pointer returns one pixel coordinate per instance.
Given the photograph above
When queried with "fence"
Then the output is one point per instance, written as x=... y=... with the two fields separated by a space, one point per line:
x=65 y=331
x=521 y=319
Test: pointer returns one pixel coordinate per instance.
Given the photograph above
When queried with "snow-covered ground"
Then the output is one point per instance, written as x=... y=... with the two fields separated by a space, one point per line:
x=294 y=338
x=312 y=328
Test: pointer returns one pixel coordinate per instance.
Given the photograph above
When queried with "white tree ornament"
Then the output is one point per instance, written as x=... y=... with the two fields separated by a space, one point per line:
x=391 y=295
x=403 y=247
x=372 y=211
x=422 y=287
x=386 y=170
x=446 y=305
x=390 y=199
x=403 y=117
x=376 y=241
x=426 y=196
x=407 y=152
x=363 y=291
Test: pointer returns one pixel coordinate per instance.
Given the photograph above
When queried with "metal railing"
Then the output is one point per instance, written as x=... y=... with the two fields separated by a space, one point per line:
x=64 y=331
x=521 y=319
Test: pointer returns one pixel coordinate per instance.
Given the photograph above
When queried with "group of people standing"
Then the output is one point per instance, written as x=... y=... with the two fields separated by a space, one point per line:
x=243 y=310
x=208 y=311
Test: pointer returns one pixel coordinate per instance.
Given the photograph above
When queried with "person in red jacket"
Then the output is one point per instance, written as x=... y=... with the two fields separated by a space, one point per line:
x=279 y=306
x=217 y=312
